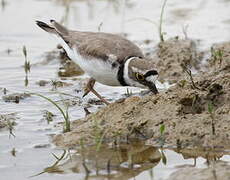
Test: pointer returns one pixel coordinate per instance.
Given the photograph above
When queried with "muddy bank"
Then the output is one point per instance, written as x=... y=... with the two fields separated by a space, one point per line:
x=173 y=55
x=194 y=115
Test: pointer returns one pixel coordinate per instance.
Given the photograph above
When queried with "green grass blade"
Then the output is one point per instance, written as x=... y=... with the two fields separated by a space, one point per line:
x=54 y=103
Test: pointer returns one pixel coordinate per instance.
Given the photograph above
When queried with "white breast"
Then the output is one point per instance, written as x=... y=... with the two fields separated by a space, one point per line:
x=98 y=69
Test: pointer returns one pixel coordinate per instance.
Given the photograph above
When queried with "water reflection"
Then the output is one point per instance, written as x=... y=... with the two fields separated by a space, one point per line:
x=120 y=162
x=210 y=155
x=124 y=161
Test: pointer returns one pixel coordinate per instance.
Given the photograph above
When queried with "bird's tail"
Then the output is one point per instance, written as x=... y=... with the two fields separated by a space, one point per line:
x=46 y=27
x=54 y=28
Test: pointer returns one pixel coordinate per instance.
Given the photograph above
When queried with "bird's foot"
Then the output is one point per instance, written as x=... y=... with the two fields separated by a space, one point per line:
x=89 y=88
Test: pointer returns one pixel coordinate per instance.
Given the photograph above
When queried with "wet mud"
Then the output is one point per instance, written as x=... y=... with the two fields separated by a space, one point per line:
x=173 y=55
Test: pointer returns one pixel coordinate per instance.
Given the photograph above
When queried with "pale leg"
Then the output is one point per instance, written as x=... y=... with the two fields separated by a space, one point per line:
x=89 y=87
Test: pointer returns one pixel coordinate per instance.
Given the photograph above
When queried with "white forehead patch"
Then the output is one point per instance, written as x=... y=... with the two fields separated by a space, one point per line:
x=151 y=78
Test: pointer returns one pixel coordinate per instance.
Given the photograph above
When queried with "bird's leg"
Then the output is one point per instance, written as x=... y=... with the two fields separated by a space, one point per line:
x=89 y=87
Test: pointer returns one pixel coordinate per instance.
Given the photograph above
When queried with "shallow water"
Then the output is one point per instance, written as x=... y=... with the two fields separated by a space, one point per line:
x=208 y=21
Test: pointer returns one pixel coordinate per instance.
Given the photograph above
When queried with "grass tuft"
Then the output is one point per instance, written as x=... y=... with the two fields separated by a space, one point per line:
x=217 y=56
x=64 y=113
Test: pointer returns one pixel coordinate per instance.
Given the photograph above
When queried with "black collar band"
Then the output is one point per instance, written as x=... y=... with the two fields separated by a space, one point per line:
x=120 y=73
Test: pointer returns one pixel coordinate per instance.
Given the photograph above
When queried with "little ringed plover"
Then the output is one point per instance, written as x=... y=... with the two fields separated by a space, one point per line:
x=107 y=58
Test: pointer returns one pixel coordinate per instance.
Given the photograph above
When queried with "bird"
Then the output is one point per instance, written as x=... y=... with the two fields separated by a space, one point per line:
x=107 y=58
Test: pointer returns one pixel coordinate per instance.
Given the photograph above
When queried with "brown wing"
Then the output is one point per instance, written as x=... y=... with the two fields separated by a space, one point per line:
x=103 y=45
x=100 y=45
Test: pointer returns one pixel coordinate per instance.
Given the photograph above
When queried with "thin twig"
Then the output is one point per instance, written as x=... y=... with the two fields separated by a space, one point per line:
x=189 y=72
x=161 y=34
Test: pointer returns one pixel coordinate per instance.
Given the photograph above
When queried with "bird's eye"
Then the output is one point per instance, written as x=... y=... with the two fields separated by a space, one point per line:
x=139 y=76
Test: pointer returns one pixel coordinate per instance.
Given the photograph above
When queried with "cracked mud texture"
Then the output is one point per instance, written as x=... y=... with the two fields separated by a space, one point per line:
x=193 y=116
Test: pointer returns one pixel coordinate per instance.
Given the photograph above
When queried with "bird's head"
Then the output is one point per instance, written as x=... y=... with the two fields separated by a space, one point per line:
x=140 y=72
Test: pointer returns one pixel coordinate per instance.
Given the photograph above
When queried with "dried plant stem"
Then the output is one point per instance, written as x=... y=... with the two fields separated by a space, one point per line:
x=188 y=71
x=161 y=34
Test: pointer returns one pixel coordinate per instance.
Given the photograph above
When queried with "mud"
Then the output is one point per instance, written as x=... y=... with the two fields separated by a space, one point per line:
x=173 y=55
x=220 y=55
x=195 y=113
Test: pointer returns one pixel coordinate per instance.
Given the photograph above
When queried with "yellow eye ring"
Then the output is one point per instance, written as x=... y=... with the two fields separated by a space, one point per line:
x=139 y=76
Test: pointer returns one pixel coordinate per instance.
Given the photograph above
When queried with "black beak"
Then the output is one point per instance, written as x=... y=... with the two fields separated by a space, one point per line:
x=153 y=88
